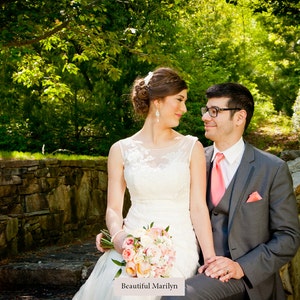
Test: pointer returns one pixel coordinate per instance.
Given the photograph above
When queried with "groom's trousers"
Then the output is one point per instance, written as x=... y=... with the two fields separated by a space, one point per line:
x=202 y=287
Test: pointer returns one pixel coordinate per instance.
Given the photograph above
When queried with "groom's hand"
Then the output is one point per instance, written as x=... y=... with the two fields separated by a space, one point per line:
x=222 y=268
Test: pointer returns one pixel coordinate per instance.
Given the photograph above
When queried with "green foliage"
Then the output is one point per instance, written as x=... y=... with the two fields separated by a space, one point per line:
x=289 y=10
x=296 y=115
x=67 y=67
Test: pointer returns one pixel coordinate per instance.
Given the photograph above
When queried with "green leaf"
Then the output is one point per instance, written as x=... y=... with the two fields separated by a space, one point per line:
x=119 y=263
x=118 y=273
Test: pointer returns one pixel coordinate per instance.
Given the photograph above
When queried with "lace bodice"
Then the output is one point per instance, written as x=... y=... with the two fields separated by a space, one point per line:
x=158 y=174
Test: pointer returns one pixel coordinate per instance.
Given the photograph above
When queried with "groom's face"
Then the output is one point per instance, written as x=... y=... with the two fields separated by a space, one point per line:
x=222 y=127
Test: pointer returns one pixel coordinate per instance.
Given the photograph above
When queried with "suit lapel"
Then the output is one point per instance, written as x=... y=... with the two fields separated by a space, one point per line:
x=241 y=179
x=208 y=155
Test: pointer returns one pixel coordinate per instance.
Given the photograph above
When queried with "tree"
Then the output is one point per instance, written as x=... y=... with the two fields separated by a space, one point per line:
x=72 y=71
x=289 y=10
x=67 y=67
x=280 y=78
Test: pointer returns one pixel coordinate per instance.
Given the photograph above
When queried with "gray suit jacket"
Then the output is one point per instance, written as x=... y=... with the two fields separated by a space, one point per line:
x=262 y=235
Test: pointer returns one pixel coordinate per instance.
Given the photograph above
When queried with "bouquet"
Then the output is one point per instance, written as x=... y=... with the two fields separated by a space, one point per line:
x=147 y=253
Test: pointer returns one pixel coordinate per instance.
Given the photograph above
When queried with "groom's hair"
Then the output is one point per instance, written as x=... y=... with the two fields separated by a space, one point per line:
x=239 y=97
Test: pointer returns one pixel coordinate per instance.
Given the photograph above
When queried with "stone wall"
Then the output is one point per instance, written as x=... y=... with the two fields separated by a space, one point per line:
x=46 y=202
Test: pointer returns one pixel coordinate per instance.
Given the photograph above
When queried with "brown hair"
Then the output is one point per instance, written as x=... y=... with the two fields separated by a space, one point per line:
x=161 y=83
x=239 y=97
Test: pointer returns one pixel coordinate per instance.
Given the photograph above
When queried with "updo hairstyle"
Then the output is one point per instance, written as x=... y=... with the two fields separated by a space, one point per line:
x=163 y=82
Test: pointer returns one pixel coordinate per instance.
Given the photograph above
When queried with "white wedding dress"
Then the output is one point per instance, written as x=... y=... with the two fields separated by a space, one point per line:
x=159 y=183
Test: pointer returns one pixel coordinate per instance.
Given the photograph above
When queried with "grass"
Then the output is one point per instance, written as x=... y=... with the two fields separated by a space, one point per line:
x=16 y=155
x=272 y=131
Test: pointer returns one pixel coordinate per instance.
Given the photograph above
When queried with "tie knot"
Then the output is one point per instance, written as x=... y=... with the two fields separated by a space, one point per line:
x=219 y=157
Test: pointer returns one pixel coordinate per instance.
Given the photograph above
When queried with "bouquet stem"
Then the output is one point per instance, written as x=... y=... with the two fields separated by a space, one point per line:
x=106 y=242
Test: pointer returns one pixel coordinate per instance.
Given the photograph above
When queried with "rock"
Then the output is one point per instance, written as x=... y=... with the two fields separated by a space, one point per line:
x=288 y=155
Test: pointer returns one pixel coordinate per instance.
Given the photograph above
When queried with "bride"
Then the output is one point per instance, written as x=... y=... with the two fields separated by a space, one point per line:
x=164 y=172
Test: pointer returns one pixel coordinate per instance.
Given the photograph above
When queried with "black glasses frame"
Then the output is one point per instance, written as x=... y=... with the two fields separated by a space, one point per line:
x=213 y=111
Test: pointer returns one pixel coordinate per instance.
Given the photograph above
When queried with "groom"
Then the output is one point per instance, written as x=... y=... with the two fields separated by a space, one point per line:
x=255 y=223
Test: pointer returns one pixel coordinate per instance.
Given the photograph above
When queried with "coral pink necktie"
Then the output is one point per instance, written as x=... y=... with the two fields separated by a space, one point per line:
x=217 y=185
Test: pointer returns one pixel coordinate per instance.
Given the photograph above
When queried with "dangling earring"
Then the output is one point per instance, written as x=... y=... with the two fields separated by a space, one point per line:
x=157 y=114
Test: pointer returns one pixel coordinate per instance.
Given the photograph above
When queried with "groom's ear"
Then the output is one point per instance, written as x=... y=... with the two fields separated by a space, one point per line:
x=241 y=116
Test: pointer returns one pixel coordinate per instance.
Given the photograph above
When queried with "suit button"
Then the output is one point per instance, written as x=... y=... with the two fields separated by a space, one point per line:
x=215 y=213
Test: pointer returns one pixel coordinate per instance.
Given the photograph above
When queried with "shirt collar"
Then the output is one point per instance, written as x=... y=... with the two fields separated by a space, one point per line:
x=232 y=153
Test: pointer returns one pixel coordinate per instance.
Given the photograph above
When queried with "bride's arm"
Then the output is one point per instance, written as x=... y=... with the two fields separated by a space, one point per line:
x=115 y=196
x=199 y=210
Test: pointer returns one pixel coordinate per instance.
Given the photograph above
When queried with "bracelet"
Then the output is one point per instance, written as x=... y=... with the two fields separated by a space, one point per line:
x=114 y=236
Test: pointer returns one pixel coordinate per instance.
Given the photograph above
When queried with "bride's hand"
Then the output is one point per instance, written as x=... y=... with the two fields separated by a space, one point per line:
x=118 y=242
x=98 y=243
x=207 y=261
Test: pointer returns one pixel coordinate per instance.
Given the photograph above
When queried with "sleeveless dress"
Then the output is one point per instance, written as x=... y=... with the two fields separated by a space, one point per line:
x=158 y=181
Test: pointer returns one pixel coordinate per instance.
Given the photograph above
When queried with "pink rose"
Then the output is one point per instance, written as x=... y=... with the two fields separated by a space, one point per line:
x=155 y=232
x=128 y=242
x=159 y=272
x=154 y=253
x=128 y=254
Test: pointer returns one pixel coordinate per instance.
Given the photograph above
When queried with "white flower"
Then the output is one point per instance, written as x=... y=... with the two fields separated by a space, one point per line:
x=148 y=78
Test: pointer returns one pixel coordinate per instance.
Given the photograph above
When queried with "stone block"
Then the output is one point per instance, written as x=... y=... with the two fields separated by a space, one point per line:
x=53 y=171
x=11 y=228
x=3 y=241
x=295 y=275
x=289 y=155
x=7 y=190
x=10 y=180
x=60 y=200
x=286 y=279
x=103 y=181
x=42 y=172
x=51 y=182
x=35 y=202
x=17 y=164
x=31 y=169
x=54 y=221
x=32 y=188
x=27 y=241
x=17 y=209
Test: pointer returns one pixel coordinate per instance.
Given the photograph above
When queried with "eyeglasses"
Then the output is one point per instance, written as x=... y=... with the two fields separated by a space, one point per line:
x=214 y=110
